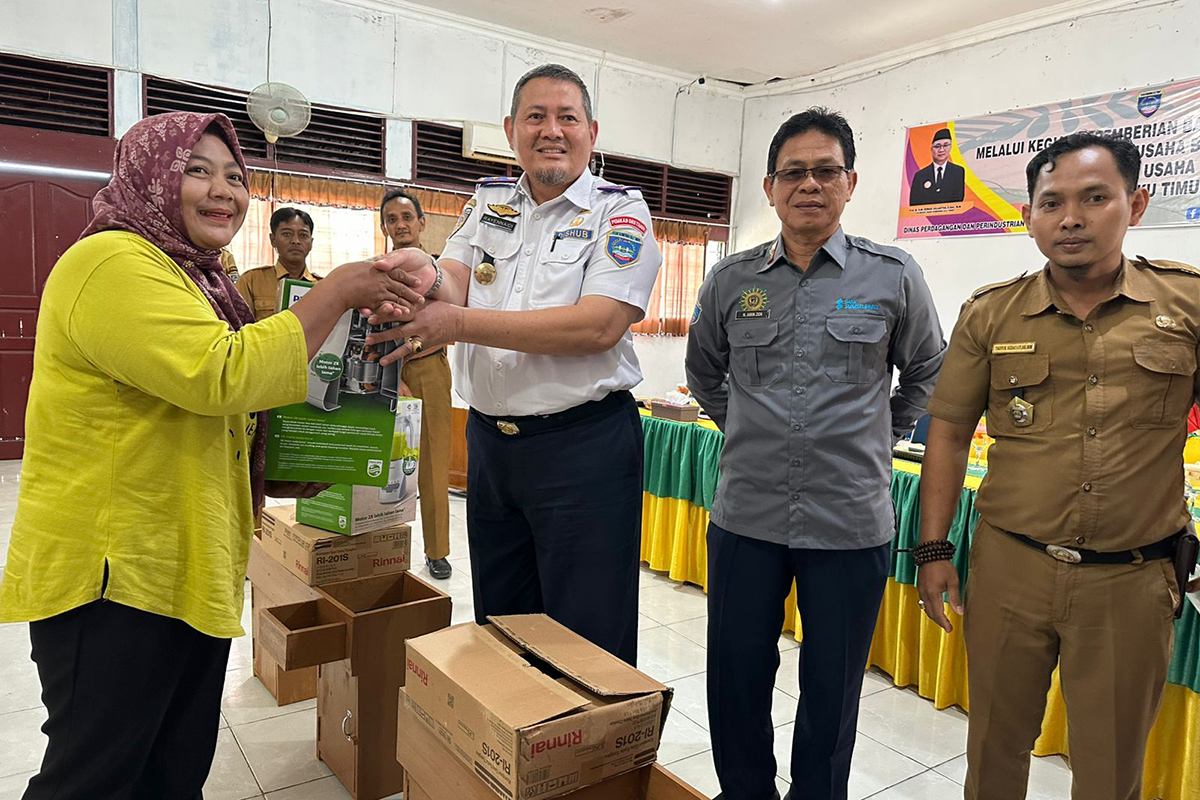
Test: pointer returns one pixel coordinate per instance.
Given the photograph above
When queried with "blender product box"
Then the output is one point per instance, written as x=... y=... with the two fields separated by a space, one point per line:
x=343 y=508
x=343 y=431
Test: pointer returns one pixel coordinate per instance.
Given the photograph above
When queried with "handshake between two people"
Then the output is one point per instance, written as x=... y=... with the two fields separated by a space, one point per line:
x=392 y=288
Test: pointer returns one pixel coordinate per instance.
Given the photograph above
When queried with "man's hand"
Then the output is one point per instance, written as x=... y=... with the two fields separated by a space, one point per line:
x=436 y=324
x=934 y=579
x=404 y=390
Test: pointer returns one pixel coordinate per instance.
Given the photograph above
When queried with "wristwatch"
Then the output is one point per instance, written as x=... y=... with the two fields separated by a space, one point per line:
x=437 y=282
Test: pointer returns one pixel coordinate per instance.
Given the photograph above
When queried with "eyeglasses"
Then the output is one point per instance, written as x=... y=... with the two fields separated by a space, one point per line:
x=823 y=175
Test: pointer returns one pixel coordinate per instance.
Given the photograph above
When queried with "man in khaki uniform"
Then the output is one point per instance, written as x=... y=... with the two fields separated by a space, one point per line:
x=426 y=376
x=1087 y=370
x=291 y=236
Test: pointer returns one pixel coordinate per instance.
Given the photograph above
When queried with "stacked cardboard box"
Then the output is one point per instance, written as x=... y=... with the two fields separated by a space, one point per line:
x=317 y=557
x=431 y=772
x=529 y=710
x=271 y=584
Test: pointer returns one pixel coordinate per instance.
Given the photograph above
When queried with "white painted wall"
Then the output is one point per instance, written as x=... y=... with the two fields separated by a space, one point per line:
x=398 y=60
x=661 y=359
x=1083 y=57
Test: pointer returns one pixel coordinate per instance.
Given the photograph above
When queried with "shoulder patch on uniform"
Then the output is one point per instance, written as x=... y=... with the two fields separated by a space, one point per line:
x=884 y=250
x=1174 y=266
x=982 y=290
x=497 y=181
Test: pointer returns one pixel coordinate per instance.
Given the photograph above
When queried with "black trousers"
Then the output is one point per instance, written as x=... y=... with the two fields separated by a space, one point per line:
x=838 y=594
x=554 y=521
x=134 y=701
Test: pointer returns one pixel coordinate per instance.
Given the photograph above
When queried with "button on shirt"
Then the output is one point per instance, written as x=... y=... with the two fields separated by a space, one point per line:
x=594 y=239
x=796 y=368
x=1098 y=461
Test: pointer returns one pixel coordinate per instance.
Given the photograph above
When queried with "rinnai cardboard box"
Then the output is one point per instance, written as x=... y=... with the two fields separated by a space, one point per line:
x=532 y=708
x=343 y=432
x=355 y=630
x=348 y=509
x=432 y=772
x=272 y=584
x=319 y=557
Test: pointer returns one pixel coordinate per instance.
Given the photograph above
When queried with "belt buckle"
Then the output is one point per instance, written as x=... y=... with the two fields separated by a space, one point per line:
x=1064 y=554
x=507 y=428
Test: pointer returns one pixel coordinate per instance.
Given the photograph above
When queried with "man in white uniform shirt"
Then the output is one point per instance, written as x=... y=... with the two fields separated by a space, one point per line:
x=539 y=285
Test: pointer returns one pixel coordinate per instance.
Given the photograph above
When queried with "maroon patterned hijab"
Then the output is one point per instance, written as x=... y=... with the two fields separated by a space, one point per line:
x=144 y=197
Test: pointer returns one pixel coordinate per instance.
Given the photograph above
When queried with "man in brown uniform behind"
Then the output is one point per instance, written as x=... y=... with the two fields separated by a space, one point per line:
x=1087 y=370
x=291 y=236
x=427 y=376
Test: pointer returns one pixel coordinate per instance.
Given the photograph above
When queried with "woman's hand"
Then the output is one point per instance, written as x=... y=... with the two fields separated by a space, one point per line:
x=373 y=285
x=295 y=489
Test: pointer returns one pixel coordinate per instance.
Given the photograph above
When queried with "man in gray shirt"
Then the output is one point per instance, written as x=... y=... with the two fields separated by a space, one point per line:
x=791 y=352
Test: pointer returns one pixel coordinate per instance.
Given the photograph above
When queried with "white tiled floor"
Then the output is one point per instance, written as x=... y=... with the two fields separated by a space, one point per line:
x=907 y=750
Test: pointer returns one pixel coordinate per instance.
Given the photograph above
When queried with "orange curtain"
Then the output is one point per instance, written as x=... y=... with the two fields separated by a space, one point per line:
x=683 y=246
x=308 y=191
x=345 y=216
x=444 y=203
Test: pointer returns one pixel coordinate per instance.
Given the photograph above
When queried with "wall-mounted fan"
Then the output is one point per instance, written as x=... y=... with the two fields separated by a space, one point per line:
x=278 y=110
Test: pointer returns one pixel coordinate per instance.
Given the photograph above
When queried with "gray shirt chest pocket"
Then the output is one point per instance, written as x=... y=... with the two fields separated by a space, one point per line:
x=754 y=354
x=855 y=351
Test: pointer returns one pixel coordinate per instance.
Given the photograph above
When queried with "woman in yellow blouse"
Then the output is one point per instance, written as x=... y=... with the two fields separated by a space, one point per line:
x=143 y=463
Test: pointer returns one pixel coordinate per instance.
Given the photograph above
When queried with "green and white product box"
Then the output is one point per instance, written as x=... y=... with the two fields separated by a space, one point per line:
x=352 y=510
x=343 y=431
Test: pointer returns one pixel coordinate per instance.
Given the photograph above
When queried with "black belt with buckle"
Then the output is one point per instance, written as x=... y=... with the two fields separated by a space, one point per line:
x=540 y=423
x=1075 y=555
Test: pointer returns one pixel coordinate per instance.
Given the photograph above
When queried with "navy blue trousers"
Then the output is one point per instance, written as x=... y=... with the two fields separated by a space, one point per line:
x=838 y=594
x=554 y=522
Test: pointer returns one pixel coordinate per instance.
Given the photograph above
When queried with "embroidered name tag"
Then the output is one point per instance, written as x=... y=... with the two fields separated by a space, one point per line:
x=1001 y=348
x=509 y=225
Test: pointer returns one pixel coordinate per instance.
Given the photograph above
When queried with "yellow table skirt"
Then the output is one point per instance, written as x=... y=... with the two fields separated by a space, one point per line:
x=916 y=652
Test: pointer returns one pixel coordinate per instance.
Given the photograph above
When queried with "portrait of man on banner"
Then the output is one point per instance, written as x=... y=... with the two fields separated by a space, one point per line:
x=941 y=181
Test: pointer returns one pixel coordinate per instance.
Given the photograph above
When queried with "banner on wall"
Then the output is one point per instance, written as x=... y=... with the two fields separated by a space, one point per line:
x=967 y=177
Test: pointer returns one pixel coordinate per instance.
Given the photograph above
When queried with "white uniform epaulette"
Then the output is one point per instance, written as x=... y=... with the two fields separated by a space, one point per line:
x=497 y=181
x=982 y=290
x=614 y=188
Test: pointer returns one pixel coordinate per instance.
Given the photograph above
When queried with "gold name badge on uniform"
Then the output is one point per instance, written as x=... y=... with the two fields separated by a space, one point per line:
x=1003 y=348
x=485 y=274
x=1021 y=412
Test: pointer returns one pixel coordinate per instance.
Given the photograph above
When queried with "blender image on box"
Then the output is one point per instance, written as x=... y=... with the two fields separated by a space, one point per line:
x=347 y=364
x=406 y=451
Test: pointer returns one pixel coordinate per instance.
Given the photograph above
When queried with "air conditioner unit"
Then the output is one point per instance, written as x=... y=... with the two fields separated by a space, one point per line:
x=486 y=143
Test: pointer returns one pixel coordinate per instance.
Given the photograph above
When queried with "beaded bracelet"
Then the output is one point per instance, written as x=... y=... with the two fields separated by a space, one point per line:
x=937 y=550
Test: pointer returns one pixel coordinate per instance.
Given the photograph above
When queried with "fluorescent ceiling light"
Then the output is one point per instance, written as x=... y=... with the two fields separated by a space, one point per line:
x=62 y=172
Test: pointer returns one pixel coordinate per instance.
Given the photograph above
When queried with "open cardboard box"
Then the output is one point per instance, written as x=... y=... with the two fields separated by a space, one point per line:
x=355 y=631
x=533 y=708
x=432 y=772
